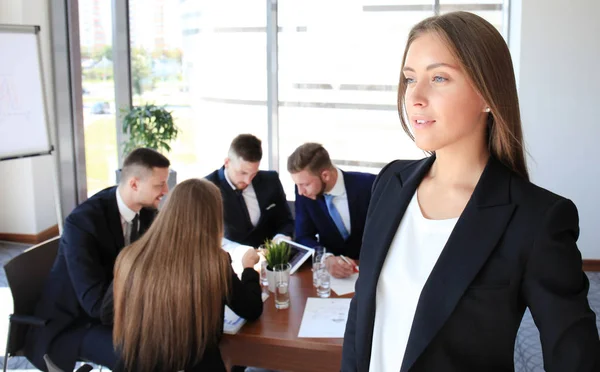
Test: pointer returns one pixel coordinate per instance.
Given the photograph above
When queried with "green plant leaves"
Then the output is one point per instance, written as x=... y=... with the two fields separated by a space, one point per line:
x=276 y=253
x=149 y=126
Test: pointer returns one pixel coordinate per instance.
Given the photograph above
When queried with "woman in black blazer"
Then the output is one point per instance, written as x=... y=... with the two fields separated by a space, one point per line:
x=170 y=287
x=460 y=243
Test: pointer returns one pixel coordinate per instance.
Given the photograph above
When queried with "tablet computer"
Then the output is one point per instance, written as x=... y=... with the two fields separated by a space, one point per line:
x=298 y=254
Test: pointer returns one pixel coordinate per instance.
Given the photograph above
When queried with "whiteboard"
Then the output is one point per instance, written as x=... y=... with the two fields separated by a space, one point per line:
x=23 y=119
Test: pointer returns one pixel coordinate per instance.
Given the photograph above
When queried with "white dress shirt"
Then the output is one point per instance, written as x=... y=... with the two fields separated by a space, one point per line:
x=127 y=215
x=340 y=199
x=413 y=253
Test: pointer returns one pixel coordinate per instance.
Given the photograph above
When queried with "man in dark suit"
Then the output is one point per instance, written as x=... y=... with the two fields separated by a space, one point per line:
x=330 y=203
x=93 y=235
x=254 y=203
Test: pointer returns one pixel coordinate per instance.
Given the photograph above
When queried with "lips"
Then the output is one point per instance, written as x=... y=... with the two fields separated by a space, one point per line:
x=422 y=122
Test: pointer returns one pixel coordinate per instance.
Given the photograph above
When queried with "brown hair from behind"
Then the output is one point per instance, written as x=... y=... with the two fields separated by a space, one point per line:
x=485 y=59
x=141 y=161
x=246 y=146
x=170 y=285
x=310 y=156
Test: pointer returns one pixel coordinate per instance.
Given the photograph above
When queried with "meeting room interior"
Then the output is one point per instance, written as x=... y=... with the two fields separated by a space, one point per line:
x=84 y=83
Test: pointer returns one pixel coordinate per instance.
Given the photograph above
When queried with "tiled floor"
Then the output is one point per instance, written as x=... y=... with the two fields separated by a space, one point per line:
x=528 y=353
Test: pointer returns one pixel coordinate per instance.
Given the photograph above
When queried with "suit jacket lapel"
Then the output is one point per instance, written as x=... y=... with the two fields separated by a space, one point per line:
x=473 y=239
x=352 y=195
x=381 y=228
x=261 y=197
x=114 y=220
x=233 y=199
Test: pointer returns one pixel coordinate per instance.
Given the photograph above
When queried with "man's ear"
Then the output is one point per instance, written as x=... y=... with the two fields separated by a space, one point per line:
x=226 y=162
x=325 y=175
x=134 y=183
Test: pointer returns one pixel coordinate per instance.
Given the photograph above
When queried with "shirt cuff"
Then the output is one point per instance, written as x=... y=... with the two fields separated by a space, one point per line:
x=326 y=256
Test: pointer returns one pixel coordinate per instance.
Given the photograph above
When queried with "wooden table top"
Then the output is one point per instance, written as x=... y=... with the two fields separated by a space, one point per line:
x=280 y=327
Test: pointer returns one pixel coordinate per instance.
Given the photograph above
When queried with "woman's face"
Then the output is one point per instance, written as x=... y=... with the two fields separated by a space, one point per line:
x=444 y=110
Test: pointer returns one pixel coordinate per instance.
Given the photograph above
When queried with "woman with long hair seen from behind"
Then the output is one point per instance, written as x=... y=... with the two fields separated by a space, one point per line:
x=457 y=245
x=171 y=285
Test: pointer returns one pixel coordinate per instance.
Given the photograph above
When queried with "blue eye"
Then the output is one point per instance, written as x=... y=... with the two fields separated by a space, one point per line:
x=439 y=79
x=409 y=80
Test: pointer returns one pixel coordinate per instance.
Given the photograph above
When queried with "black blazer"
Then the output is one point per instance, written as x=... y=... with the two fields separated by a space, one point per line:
x=245 y=299
x=72 y=298
x=513 y=247
x=275 y=215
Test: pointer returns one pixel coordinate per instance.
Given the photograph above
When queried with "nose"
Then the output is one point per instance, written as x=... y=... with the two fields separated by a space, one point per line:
x=165 y=189
x=301 y=191
x=417 y=93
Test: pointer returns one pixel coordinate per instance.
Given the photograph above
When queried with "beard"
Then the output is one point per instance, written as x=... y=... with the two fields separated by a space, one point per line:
x=323 y=185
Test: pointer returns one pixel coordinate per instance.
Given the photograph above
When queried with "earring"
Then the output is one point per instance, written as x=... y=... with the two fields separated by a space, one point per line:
x=487 y=109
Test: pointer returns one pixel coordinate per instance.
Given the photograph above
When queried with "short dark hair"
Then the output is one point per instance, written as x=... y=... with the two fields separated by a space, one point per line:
x=311 y=156
x=248 y=147
x=141 y=161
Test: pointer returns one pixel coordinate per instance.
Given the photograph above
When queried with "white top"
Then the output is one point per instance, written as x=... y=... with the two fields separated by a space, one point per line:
x=413 y=253
x=127 y=215
x=250 y=198
x=340 y=199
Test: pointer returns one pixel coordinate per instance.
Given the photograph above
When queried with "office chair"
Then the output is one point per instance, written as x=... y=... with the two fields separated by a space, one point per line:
x=26 y=275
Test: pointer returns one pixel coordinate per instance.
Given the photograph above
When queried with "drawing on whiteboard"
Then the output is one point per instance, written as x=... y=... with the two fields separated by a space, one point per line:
x=10 y=104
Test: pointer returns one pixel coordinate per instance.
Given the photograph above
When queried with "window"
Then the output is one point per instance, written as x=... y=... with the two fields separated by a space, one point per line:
x=95 y=33
x=206 y=63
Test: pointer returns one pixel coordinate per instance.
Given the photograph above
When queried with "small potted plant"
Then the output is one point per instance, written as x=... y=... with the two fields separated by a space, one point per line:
x=275 y=253
x=150 y=126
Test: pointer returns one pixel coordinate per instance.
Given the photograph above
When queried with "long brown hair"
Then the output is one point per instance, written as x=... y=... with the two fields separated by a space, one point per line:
x=169 y=286
x=484 y=57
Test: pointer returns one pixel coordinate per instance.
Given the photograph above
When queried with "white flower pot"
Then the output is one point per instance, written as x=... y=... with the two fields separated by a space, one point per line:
x=271 y=278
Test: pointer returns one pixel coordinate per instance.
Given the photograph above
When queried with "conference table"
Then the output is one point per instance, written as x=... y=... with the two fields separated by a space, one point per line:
x=272 y=341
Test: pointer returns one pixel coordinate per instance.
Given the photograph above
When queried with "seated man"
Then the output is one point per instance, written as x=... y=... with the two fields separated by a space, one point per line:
x=93 y=235
x=330 y=203
x=254 y=204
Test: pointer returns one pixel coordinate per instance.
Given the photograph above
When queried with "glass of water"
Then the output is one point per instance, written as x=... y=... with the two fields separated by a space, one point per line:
x=316 y=261
x=264 y=281
x=323 y=279
x=281 y=274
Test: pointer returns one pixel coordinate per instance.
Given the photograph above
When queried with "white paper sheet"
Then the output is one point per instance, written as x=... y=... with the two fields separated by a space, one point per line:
x=233 y=322
x=236 y=251
x=345 y=285
x=324 y=317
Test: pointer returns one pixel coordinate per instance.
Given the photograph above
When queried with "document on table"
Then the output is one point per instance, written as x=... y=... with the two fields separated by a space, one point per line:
x=233 y=322
x=324 y=317
x=236 y=251
x=345 y=285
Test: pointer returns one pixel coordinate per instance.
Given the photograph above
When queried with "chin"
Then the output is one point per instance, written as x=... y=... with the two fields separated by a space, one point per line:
x=425 y=145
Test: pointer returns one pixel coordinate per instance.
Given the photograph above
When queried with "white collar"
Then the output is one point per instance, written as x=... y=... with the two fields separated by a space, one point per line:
x=339 y=188
x=124 y=210
x=228 y=180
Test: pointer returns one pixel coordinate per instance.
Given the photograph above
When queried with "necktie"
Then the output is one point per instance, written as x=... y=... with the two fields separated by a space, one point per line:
x=336 y=217
x=243 y=205
x=134 y=229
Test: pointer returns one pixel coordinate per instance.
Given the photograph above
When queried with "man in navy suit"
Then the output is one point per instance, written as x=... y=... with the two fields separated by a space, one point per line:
x=254 y=203
x=94 y=234
x=330 y=203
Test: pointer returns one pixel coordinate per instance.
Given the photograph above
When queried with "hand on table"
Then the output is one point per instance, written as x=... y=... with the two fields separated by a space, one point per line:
x=339 y=268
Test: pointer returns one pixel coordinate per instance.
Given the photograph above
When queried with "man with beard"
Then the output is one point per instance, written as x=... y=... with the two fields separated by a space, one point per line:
x=254 y=204
x=331 y=204
x=94 y=234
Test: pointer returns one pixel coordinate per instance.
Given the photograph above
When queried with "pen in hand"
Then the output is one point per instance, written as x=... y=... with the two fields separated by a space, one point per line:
x=354 y=267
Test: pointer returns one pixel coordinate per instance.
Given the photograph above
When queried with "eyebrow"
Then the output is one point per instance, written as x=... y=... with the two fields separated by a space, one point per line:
x=430 y=67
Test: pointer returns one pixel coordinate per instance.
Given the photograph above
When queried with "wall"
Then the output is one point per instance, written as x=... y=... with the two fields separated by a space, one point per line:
x=557 y=56
x=27 y=186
